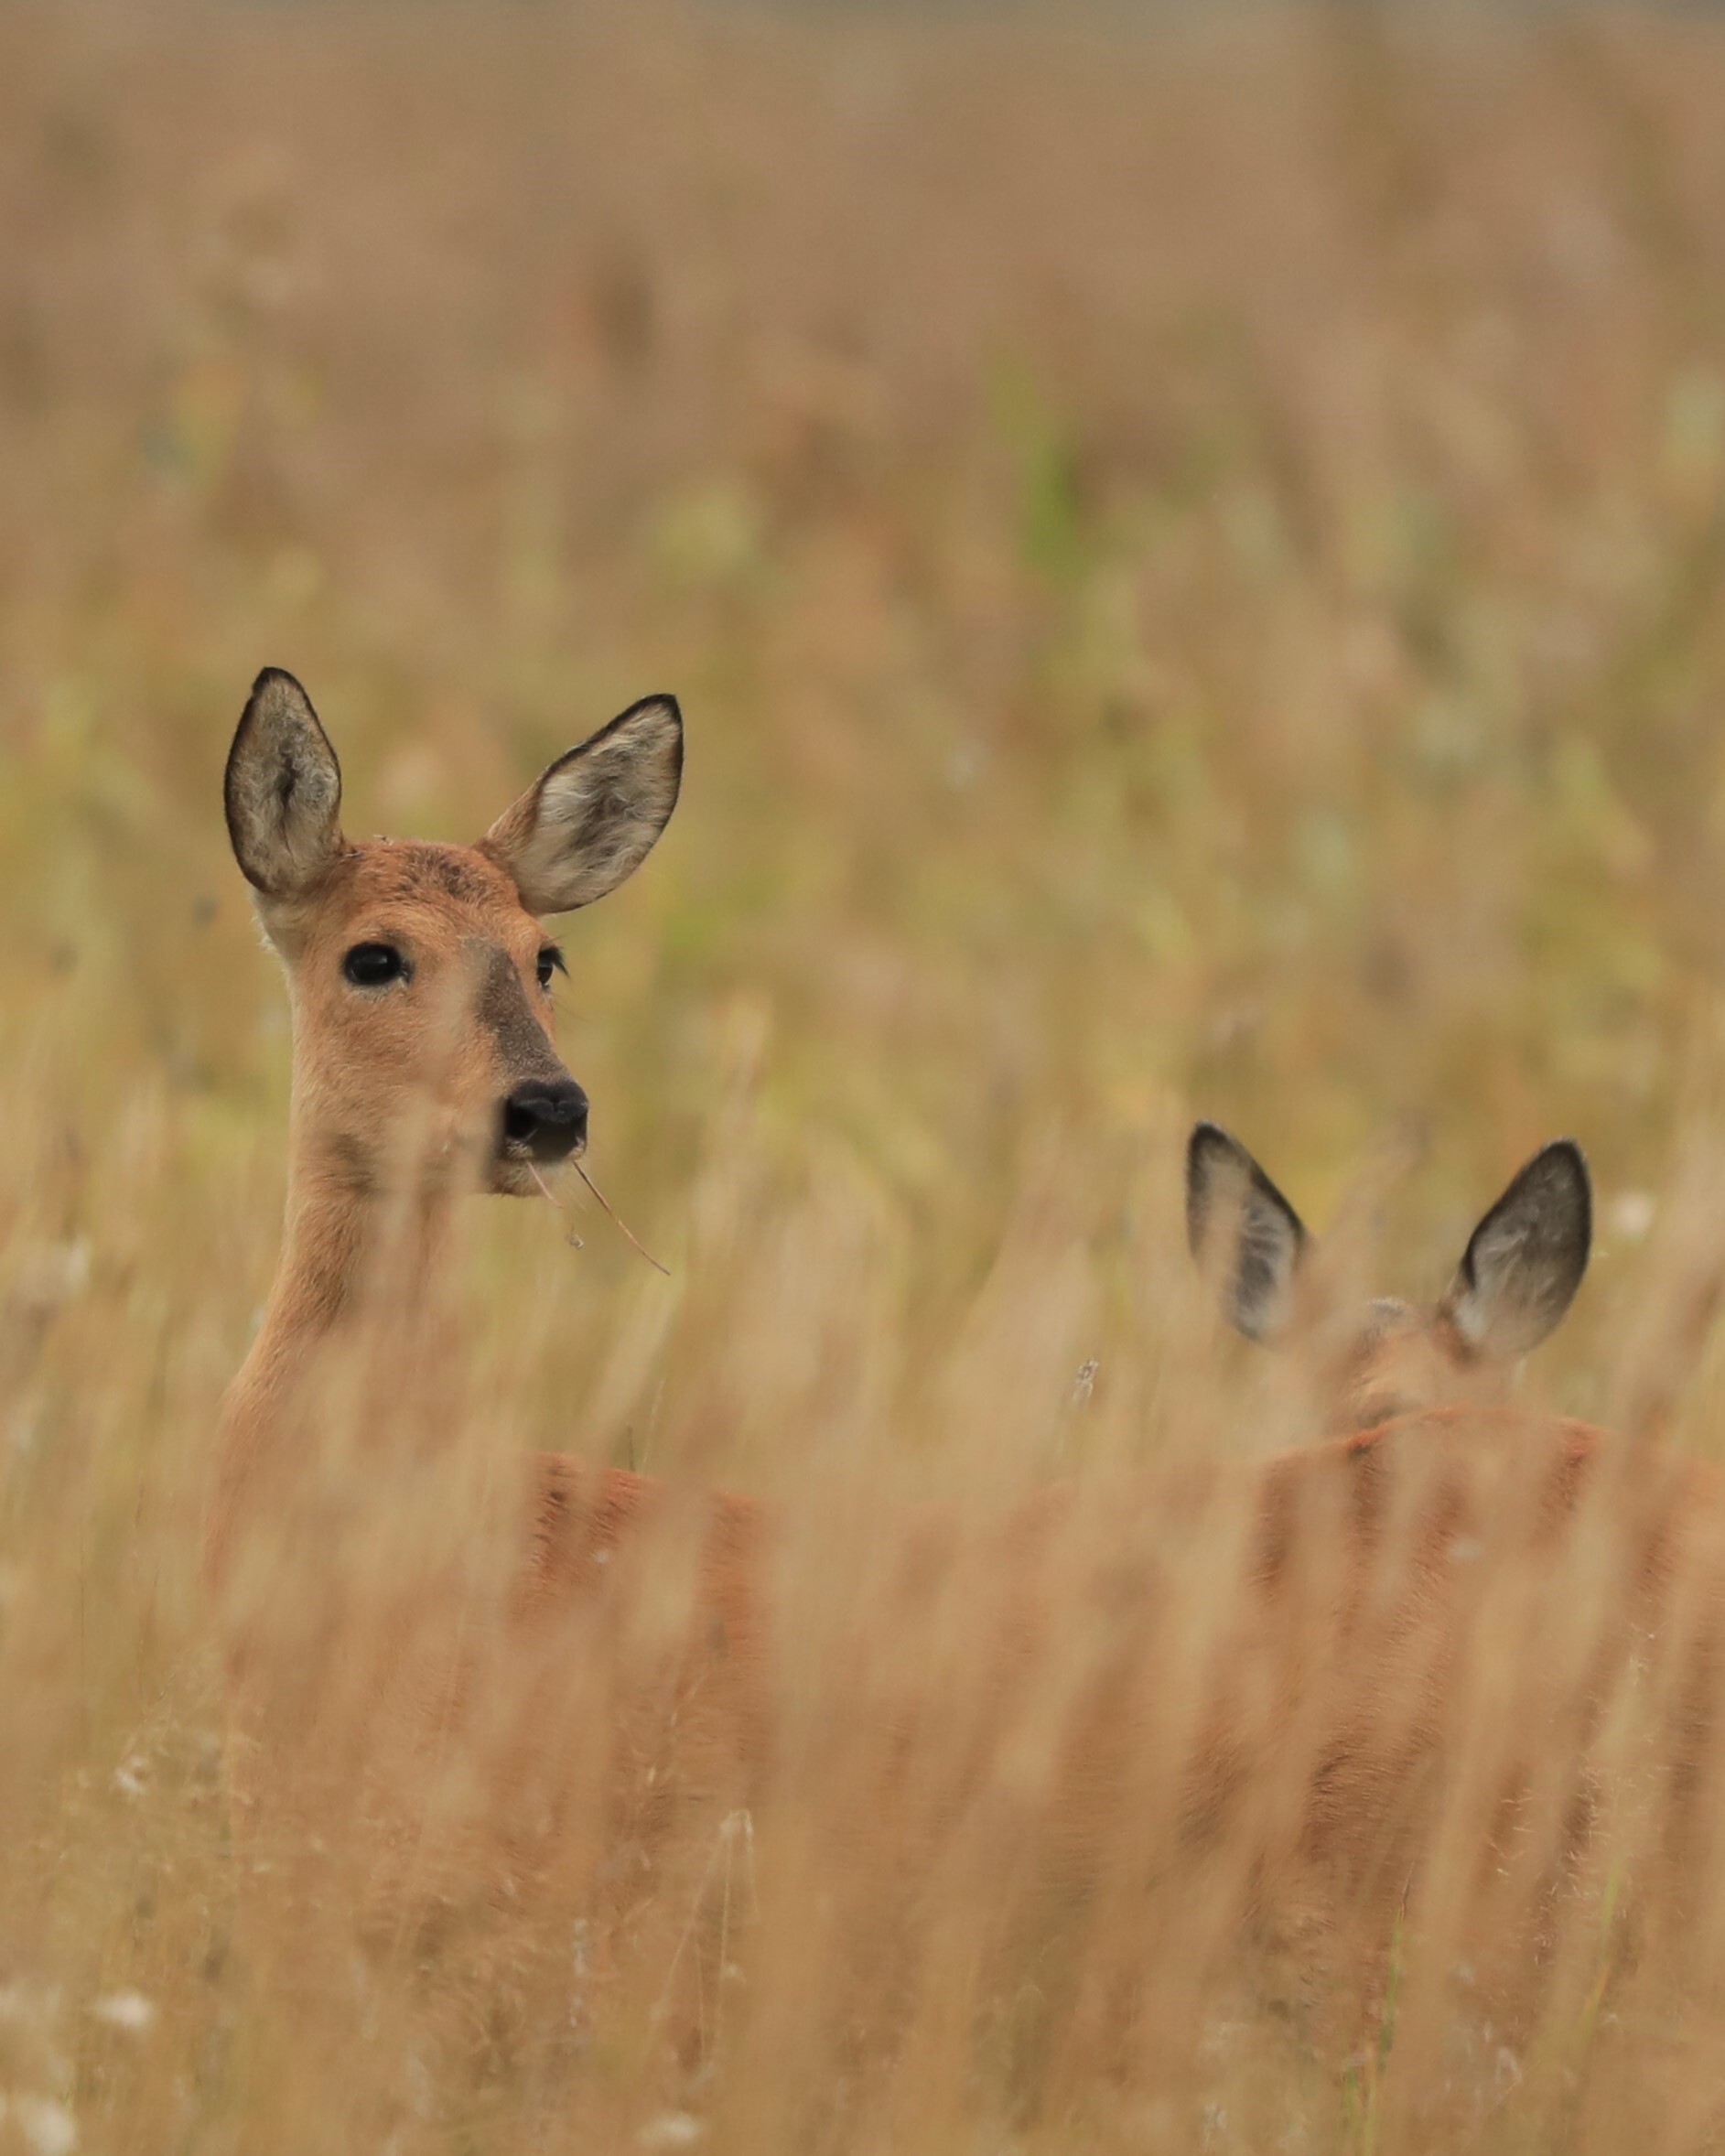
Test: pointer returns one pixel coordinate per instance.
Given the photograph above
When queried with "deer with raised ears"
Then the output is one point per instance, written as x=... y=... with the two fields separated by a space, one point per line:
x=1515 y=1280
x=372 y=933
x=338 y=1532
x=419 y=977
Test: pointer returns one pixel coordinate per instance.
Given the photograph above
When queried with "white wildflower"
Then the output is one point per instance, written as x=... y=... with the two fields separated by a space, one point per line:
x=672 y=2129
x=47 y=2128
x=124 y=2009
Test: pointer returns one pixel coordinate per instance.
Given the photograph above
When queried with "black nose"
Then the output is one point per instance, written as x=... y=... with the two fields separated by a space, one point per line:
x=546 y=1116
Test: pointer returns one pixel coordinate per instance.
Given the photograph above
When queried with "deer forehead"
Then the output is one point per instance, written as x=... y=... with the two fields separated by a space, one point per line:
x=1392 y=1328
x=1384 y=1330
x=441 y=895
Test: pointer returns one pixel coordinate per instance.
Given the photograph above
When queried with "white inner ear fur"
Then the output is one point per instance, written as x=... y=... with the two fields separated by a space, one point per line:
x=591 y=818
x=1527 y=1258
x=1267 y=1257
x=1511 y=1304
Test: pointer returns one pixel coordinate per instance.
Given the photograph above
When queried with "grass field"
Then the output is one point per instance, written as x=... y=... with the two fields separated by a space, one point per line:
x=1191 y=548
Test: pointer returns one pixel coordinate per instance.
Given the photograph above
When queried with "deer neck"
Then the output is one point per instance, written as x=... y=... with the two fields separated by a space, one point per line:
x=356 y=1294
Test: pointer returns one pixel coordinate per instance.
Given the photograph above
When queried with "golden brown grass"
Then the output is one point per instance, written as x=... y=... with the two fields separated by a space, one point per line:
x=1190 y=551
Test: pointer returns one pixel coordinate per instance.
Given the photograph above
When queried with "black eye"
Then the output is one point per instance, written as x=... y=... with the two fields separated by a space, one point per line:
x=373 y=966
x=550 y=962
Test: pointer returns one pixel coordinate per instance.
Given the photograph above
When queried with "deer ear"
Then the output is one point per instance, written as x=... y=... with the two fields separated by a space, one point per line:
x=282 y=790
x=1524 y=1261
x=1243 y=1231
x=590 y=819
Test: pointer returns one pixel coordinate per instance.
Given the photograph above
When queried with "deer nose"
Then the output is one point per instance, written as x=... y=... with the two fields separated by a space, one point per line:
x=548 y=1116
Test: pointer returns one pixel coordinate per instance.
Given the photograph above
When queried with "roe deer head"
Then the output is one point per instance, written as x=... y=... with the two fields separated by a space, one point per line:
x=419 y=972
x=1516 y=1279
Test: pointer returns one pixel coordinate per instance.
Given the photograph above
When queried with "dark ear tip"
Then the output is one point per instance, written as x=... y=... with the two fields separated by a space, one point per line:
x=287 y=687
x=1206 y=1143
x=1211 y=1147
x=1564 y=1156
x=1206 y=1139
x=660 y=701
x=660 y=706
x=663 y=707
x=297 y=702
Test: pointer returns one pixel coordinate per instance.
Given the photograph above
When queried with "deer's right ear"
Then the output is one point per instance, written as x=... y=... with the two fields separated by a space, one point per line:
x=1243 y=1232
x=282 y=790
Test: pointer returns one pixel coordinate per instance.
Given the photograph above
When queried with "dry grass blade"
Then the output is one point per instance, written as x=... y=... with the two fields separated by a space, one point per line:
x=628 y=1233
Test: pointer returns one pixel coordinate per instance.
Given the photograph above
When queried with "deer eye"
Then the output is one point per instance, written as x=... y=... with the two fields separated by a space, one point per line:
x=374 y=965
x=550 y=962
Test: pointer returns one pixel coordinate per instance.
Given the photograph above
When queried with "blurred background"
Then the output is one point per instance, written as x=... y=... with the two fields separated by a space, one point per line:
x=1190 y=543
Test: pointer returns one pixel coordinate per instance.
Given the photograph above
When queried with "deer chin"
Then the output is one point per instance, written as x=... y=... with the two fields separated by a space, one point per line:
x=515 y=1174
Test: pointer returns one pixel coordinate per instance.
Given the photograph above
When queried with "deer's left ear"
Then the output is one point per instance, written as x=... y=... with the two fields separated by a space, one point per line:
x=1524 y=1261
x=590 y=819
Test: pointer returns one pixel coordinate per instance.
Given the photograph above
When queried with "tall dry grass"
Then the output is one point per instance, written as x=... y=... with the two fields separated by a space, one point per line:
x=1190 y=551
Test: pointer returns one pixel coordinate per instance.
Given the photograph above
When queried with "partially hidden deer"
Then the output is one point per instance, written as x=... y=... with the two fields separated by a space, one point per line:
x=1512 y=1286
x=424 y=1069
x=418 y=979
x=1273 y=1659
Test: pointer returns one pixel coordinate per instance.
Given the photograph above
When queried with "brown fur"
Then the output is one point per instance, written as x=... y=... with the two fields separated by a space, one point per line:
x=1400 y=1358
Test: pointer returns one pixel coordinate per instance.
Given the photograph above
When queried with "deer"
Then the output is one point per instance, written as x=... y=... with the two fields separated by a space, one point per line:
x=1514 y=1282
x=424 y=1069
x=1316 y=1657
x=419 y=977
